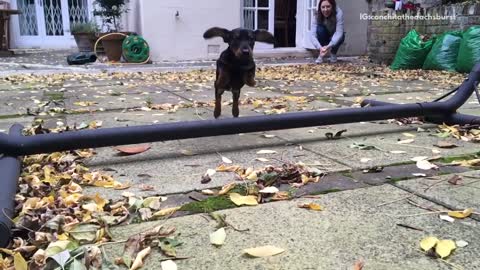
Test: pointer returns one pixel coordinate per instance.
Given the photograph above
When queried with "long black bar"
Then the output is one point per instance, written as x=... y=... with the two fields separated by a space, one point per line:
x=10 y=167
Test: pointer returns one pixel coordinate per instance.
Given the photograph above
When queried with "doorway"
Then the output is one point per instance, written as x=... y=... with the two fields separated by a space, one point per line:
x=285 y=23
x=46 y=23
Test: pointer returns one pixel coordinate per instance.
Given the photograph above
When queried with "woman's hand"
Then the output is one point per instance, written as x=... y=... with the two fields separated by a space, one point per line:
x=325 y=50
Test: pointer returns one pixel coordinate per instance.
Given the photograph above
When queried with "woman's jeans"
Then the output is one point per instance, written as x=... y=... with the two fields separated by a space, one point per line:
x=324 y=37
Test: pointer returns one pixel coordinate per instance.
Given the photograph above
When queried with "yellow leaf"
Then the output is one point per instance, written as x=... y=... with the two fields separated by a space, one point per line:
x=165 y=212
x=445 y=247
x=243 y=200
x=253 y=176
x=227 y=188
x=91 y=207
x=311 y=206
x=461 y=214
x=428 y=243
x=19 y=262
x=62 y=237
x=264 y=251
x=223 y=168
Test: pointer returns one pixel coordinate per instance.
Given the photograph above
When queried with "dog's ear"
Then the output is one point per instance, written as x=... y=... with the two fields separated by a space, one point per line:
x=218 y=32
x=264 y=36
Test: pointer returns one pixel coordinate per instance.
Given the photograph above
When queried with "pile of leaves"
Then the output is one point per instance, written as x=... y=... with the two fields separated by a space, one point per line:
x=468 y=133
x=57 y=225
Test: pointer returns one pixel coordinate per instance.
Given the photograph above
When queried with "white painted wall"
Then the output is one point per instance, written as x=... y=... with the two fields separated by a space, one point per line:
x=180 y=38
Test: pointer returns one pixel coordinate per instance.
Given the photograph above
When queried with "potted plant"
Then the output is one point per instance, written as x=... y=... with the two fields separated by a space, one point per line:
x=111 y=12
x=85 y=35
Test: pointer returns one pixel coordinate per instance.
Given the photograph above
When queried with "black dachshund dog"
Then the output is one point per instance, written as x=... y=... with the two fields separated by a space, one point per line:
x=235 y=66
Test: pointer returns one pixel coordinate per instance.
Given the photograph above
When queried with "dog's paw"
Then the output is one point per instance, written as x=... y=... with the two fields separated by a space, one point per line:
x=235 y=112
x=217 y=113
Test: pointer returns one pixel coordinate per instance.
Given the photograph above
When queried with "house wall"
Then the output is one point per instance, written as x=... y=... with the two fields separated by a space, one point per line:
x=355 y=28
x=180 y=37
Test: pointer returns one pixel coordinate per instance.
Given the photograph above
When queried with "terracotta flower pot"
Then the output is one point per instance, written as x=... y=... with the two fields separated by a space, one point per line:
x=85 y=41
x=112 y=45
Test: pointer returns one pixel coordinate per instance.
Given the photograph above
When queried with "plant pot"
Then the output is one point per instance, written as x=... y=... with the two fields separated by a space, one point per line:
x=85 y=41
x=112 y=45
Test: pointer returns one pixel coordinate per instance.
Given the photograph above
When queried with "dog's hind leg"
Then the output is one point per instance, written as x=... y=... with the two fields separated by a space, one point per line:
x=250 y=78
x=236 y=96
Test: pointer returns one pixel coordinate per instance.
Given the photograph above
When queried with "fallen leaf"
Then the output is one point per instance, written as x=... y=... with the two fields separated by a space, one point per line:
x=132 y=150
x=226 y=160
x=398 y=152
x=266 y=152
x=264 y=251
x=445 y=248
x=262 y=159
x=419 y=174
x=426 y=165
x=447 y=218
x=19 y=262
x=168 y=265
x=225 y=189
x=311 y=206
x=408 y=135
x=461 y=243
x=461 y=214
x=269 y=190
x=187 y=153
x=85 y=232
x=61 y=258
x=281 y=196
x=416 y=159
x=243 y=200
x=428 y=243
x=166 y=211
x=218 y=237
x=365 y=160
x=447 y=145
x=208 y=192
x=455 y=180
x=138 y=263
x=406 y=141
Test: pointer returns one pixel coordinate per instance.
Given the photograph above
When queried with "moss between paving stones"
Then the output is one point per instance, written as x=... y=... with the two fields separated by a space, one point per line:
x=209 y=205
x=53 y=96
x=451 y=159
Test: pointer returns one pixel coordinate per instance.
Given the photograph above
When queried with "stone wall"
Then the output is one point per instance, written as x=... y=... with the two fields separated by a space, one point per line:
x=384 y=35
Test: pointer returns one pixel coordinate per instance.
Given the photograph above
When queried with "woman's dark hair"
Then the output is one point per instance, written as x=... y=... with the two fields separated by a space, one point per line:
x=320 y=16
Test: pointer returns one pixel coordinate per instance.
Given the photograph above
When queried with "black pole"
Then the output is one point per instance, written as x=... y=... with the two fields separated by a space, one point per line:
x=10 y=167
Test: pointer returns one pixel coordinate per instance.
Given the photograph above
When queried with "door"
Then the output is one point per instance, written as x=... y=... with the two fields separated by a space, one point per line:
x=259 y=14
x=310 y=9
x=46 y=23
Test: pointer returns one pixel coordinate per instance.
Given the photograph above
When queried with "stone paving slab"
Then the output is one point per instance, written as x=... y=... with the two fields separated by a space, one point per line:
x=401 y=172
x=6 y=123
x=350 y=228
x=16 y=102
x=458 y=197
x=385 y=137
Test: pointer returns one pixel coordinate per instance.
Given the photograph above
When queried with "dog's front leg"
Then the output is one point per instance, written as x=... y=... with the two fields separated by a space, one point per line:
x=250 y=78
x=218 y=102
x=236 y=96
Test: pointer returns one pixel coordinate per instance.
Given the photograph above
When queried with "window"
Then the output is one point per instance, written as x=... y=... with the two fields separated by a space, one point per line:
x=311 y=9
x=255 y=14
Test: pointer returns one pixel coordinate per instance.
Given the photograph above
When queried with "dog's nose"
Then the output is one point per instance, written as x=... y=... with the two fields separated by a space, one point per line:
x=245 y=51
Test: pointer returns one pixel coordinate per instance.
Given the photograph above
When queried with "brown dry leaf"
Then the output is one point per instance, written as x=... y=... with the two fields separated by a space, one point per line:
x=311 y=206
x=138 y=263
x=461 y=214
x=281 y=196
x=223 y=168
x=133 y=149
x=447 y=145
x=264 y=251
x=225 y=189
x=455 y=180
x=166 y=212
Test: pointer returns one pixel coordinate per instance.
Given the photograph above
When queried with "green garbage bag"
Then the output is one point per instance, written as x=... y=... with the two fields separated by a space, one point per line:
x=412 y=52
x=444 y=52
x=469 y=53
